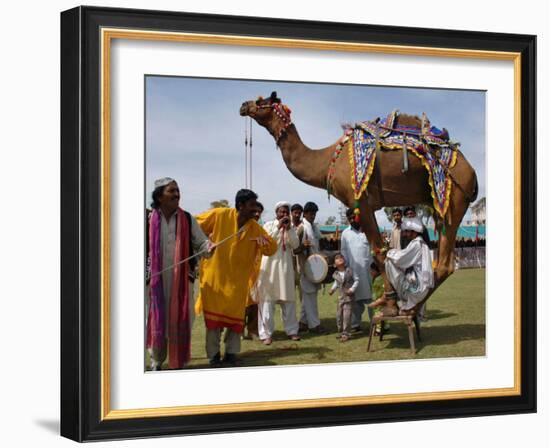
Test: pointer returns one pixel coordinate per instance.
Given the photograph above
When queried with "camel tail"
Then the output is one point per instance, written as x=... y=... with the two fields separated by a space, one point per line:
x=476 y=190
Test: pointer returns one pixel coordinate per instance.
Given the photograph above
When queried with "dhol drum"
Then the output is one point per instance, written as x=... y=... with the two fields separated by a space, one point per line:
x=316 y=268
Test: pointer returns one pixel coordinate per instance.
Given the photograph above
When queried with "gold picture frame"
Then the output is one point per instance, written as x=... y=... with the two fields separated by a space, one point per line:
x=86 y=313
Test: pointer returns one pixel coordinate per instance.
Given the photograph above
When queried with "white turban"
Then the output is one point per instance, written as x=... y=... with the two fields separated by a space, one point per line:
x=280 y=204
x=163 y=182
x=413 y=224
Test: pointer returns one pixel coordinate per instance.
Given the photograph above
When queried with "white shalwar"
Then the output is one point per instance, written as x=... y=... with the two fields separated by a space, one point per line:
x=410 y=272
x=356 y=250
x=276 y=282
x=309 y=314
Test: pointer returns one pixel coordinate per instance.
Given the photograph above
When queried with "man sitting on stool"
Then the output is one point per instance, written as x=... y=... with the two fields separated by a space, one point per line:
x=409 y=270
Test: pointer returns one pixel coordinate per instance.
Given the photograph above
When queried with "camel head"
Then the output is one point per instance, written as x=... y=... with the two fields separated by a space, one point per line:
x=269 y=113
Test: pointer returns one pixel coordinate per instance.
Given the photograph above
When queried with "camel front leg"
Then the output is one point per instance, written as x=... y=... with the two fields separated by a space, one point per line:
x=370 y=228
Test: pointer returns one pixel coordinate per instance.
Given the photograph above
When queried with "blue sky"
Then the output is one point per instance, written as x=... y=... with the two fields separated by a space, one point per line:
x=194 y=133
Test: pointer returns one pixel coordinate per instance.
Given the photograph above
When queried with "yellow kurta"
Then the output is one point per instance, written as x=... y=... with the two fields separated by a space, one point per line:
x=225 y=277
x=252 y=298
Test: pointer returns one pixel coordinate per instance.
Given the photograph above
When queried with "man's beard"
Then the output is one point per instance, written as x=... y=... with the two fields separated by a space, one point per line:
x=405 y=240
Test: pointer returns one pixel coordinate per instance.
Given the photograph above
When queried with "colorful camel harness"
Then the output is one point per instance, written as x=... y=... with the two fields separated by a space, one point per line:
x=431 y=145
x=283 y=113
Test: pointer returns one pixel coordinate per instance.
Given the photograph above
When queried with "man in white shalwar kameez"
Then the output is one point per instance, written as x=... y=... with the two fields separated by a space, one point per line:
x=410 y=270
x=276 y=280
x=309 y=244
x=356 y=250
x=395 y=235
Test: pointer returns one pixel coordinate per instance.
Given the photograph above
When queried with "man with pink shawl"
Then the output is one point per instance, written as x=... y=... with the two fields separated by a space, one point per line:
x=173 y=236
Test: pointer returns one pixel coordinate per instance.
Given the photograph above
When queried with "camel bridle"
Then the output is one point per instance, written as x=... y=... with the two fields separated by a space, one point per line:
x=283 y=113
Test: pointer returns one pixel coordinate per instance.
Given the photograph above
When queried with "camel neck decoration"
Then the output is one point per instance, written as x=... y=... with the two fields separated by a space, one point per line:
x=389 y=178
x=283 y=113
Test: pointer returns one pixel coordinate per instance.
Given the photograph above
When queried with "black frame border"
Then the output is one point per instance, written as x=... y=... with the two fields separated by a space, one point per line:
x=81 y=223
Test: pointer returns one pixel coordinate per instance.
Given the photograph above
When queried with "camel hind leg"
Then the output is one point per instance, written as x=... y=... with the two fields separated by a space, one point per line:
x=464 y=191
x=447 y=237
x=445 y=257
x=447 y=230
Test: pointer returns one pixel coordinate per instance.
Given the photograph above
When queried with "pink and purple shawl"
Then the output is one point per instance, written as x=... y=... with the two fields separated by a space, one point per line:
x=179 y=322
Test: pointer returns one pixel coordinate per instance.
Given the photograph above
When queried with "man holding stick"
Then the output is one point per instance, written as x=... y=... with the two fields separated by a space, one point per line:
x=225 y=277
x=173 y=237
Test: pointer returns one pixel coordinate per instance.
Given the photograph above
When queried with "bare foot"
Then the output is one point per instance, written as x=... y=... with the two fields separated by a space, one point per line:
x=390 y=311
x=381 y=301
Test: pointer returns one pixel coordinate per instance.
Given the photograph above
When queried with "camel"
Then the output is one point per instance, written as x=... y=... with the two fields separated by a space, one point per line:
x=388 y=185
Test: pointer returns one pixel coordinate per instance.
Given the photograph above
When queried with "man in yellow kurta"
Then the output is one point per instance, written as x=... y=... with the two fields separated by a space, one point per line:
x=251 y=310
x=224 y=278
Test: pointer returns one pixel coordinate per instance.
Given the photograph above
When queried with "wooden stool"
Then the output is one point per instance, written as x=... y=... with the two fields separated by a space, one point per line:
x=408 y=320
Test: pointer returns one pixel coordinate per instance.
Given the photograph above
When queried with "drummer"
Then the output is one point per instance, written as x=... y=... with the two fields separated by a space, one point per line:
x=309 y=236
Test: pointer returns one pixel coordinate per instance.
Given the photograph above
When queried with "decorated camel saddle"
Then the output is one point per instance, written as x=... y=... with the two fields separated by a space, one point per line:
x=430 y=144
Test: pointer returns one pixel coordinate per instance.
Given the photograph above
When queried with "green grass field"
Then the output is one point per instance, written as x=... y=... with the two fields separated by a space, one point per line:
x=455 y=328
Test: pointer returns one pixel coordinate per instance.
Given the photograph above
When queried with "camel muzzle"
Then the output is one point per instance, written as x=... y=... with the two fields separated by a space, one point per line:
x=244 y=109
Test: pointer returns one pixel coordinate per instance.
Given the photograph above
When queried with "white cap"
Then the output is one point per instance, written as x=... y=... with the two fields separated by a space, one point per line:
x=413 y=224
x=280 y=204
x=163 y=182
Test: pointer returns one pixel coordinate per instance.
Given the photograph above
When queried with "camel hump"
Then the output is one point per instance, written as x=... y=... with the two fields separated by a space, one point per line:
x=414 y=121
x=408 y=120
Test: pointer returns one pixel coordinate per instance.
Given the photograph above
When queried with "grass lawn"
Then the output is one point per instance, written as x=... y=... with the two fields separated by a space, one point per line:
x=455 y=328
